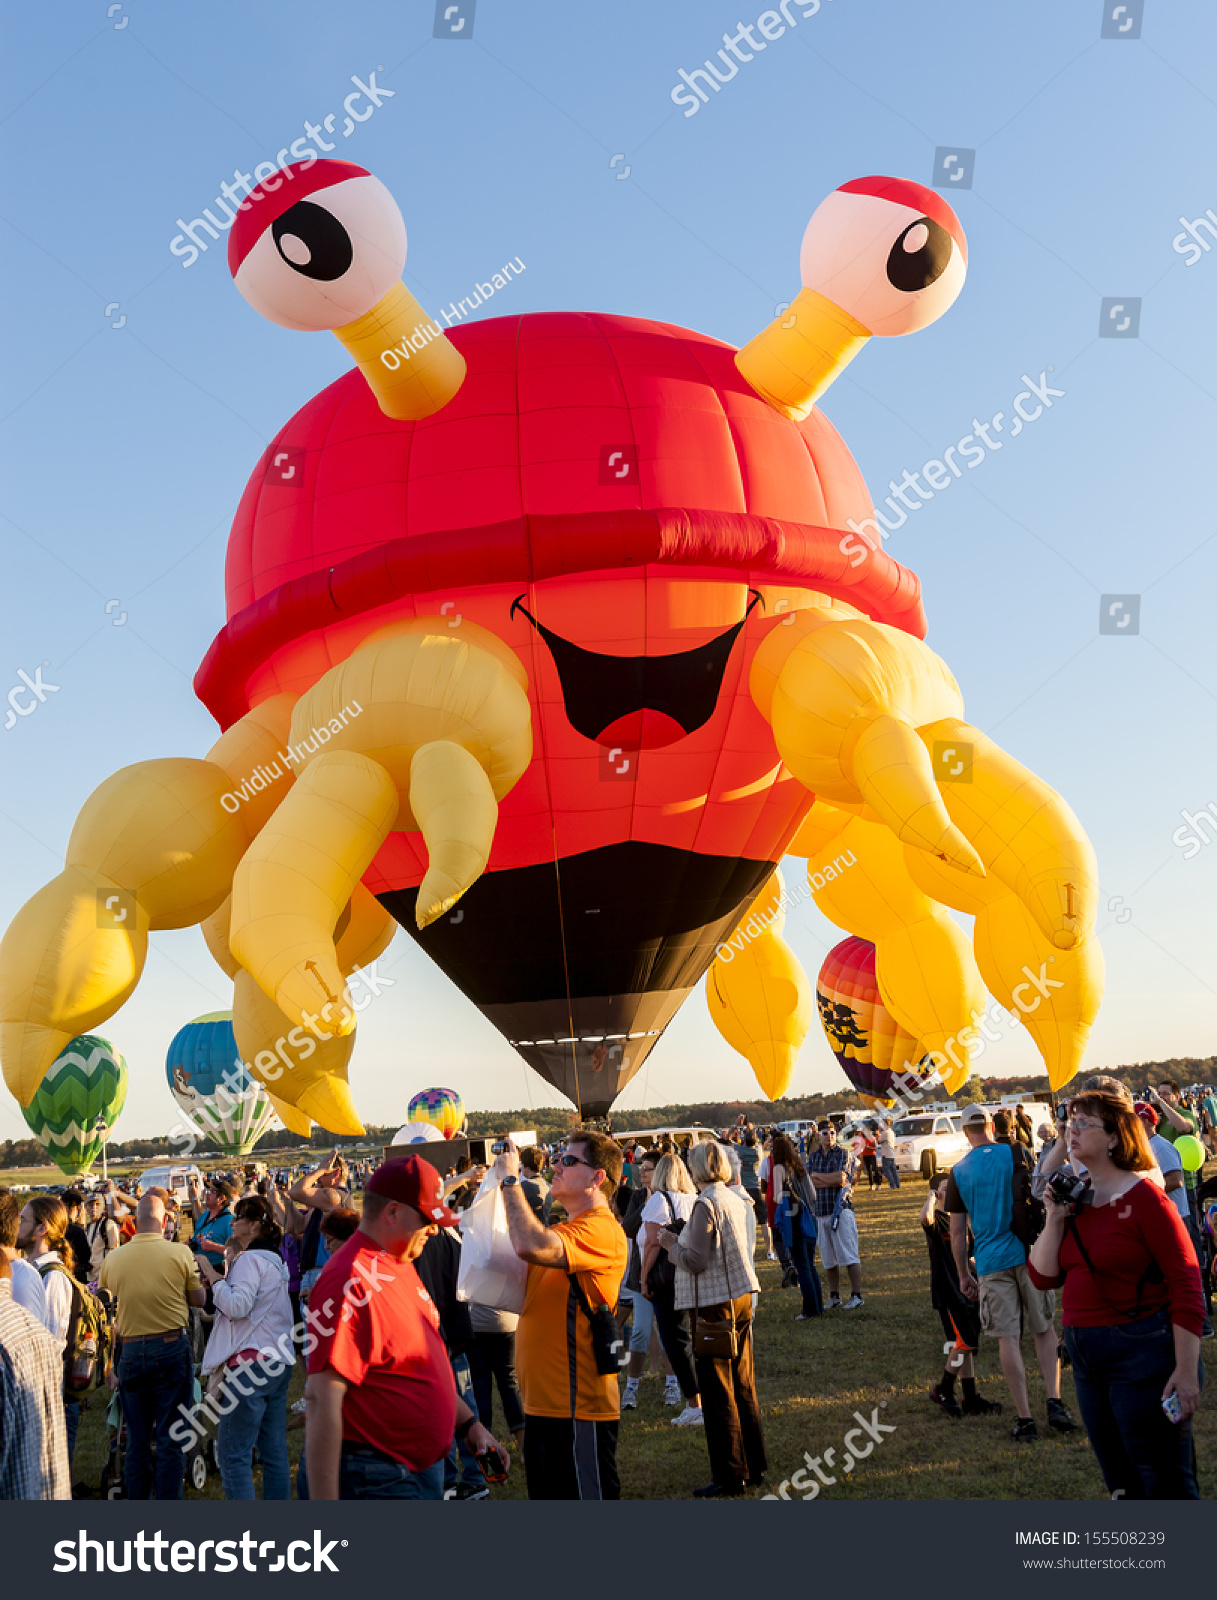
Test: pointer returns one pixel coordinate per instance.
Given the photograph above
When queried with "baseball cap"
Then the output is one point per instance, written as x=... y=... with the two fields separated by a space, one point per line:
x=974 y=1116
x=1146 y=1112
x=413 y=1182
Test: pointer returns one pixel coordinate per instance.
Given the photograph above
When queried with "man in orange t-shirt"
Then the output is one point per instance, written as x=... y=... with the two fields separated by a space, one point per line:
x=571 y=1409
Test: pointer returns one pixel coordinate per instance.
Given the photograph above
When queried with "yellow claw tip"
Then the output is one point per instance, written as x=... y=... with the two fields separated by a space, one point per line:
x=328 y=1103
x=1066 y=938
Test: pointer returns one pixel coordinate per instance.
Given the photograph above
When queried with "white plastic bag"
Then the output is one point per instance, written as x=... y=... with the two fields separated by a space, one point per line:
x=491 y=1273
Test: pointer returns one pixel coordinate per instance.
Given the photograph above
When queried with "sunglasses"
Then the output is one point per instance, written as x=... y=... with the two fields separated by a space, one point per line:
x=567 y=1160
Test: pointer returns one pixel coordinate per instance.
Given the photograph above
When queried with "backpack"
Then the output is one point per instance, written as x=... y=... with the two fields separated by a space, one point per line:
x=1027 y=1214
x=87 y=1343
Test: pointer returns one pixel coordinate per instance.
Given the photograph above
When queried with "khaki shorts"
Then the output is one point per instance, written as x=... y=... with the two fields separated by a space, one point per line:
x=839 y=1249
x=1006 y=1294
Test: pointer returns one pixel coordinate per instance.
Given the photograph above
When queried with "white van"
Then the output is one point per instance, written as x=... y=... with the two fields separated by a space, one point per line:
x=175 y=1178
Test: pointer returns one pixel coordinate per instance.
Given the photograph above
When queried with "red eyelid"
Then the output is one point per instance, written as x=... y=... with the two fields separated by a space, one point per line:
x=904 y=192
x=264 y=206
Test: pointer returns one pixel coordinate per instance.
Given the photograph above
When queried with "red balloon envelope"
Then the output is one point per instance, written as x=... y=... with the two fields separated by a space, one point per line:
x=611 y=499
x=868 y=1042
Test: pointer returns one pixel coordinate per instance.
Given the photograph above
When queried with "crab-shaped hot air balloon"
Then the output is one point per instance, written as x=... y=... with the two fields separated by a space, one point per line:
x=203 y=1067
x=442 y=1108
x=87 y=1085
x=548 y=636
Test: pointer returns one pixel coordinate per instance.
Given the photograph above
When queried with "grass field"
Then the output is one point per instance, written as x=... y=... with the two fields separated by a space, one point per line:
x=812 y=1377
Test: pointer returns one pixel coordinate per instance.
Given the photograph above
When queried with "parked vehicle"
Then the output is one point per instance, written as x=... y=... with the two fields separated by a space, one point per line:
x=929 y=1141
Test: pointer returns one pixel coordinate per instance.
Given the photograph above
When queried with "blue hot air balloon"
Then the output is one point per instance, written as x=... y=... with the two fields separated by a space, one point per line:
x=228 y=1107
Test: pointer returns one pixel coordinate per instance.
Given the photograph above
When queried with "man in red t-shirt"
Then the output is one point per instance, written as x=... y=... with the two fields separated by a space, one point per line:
x=382 y=1403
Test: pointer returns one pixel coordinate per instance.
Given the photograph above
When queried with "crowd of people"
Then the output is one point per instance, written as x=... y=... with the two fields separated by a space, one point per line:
x=199 y=1312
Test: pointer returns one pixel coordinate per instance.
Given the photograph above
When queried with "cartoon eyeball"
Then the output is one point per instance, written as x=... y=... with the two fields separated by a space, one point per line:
x=890 y=252
x=317 y=245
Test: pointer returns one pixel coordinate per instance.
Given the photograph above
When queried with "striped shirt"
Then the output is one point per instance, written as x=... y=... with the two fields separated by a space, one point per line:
x=33 y=1436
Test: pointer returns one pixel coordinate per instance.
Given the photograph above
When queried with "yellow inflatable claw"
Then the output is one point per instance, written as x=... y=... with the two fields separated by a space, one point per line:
x=923 y=964
x=1055 y=994
x=298 y=875
x=455 y=807
x=363 y=932
x=294 y=1121
x=758 y=994
x=71 y=956
x=1025 y=833
x=300 y=1068
x=848 y=697
x=250 y=753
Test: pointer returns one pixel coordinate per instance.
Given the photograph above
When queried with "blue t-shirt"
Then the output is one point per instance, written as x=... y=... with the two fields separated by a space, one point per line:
x=212 y=1235
x=982 y=1184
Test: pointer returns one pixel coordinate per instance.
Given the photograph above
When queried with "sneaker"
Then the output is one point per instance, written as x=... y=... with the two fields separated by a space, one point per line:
x=469 y=1491
x=1207 y=1331
x=978 y=1406
x=807 y=1316
x=629 y=1400
x=671 y=1393
x=854 y=1303
x=770 y=1256
x=947 y=1401
x=1025 y=1431
x=1059 y=1418
x=690 y=1417
x=790 y=1278
x=834 y=1302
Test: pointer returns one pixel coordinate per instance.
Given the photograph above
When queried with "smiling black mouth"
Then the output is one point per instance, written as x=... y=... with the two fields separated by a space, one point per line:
x=644 y=700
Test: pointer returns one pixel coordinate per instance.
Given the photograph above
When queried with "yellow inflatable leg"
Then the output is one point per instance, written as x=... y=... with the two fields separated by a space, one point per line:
x=1055 y=994
x=455 y=807
x=923 y=964
x=758 y=994
x=295 y=879
x=844 y=699
x=305 y=1074
x=1025 y=833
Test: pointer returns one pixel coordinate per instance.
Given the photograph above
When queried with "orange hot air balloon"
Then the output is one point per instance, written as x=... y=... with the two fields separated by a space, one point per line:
x=870 y=1046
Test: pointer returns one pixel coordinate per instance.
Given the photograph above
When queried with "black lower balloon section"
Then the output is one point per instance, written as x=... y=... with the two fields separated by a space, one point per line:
x=581 y=963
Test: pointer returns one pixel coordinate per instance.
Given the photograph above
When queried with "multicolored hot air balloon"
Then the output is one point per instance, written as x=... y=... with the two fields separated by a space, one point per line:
x=88 y=1080
x=442 y=1108
x=867 y=1041
x=204 y=1070
x=583 y=621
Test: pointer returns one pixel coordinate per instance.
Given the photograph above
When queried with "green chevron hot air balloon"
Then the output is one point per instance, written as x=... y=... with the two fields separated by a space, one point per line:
x=87 y=1080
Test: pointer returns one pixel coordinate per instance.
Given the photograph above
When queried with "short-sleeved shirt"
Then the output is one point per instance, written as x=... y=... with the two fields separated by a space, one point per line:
x=835 y=1159
x=377 y=1327
x=668 y=1205
x=982 y=1186
x=211 y=1235
x=1169 y=1160
x=555 y=1362
x=749 y=1163
x=150 y=1279
x=1168 y=1131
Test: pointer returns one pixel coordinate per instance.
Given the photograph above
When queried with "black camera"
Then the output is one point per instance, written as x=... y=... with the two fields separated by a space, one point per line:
x=498 y=1147
x=1070 y=1191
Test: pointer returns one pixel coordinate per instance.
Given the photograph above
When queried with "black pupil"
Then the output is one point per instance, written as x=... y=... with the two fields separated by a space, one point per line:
x=916 y=269
x=324 y=238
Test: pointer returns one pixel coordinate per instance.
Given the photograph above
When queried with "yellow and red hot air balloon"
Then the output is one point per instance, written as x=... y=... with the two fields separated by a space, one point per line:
x=868 y=1042
x=442 y=1108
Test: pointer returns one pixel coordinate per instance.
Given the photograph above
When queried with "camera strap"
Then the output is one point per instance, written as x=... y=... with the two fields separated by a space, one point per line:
x=1153 y=1273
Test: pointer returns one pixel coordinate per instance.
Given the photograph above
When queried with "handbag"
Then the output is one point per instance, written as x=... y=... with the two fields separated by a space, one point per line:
x=662 y=1275
x=717 y=1340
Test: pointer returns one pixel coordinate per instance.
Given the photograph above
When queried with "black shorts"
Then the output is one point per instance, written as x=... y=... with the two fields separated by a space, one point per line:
x=962 y=1325
x=567 y=1459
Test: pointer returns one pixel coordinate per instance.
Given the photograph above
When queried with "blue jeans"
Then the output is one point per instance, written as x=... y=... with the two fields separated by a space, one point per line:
x=802 y=1259
x=367 y=1477
x=71 y=1415
x=154 y=1380
x=890 y=1173
x=259 y=1419
x=642 y=1322
x=460 y=1463
x=1119 y=1374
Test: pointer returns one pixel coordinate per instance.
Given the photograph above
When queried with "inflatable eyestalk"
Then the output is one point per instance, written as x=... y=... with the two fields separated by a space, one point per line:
x=881 y=256
x=323 y=245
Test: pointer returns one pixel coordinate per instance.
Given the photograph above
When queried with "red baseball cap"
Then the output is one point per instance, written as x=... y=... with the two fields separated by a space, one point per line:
x=1146 y=1112
x=413 y=1182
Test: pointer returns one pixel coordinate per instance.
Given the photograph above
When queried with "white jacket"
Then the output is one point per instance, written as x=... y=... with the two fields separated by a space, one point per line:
x=253 y=1310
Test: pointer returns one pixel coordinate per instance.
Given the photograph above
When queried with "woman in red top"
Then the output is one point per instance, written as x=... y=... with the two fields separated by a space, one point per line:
x=1133 y=1309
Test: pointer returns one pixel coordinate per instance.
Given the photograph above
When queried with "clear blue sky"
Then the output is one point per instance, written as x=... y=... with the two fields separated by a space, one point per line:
x=125 y=449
